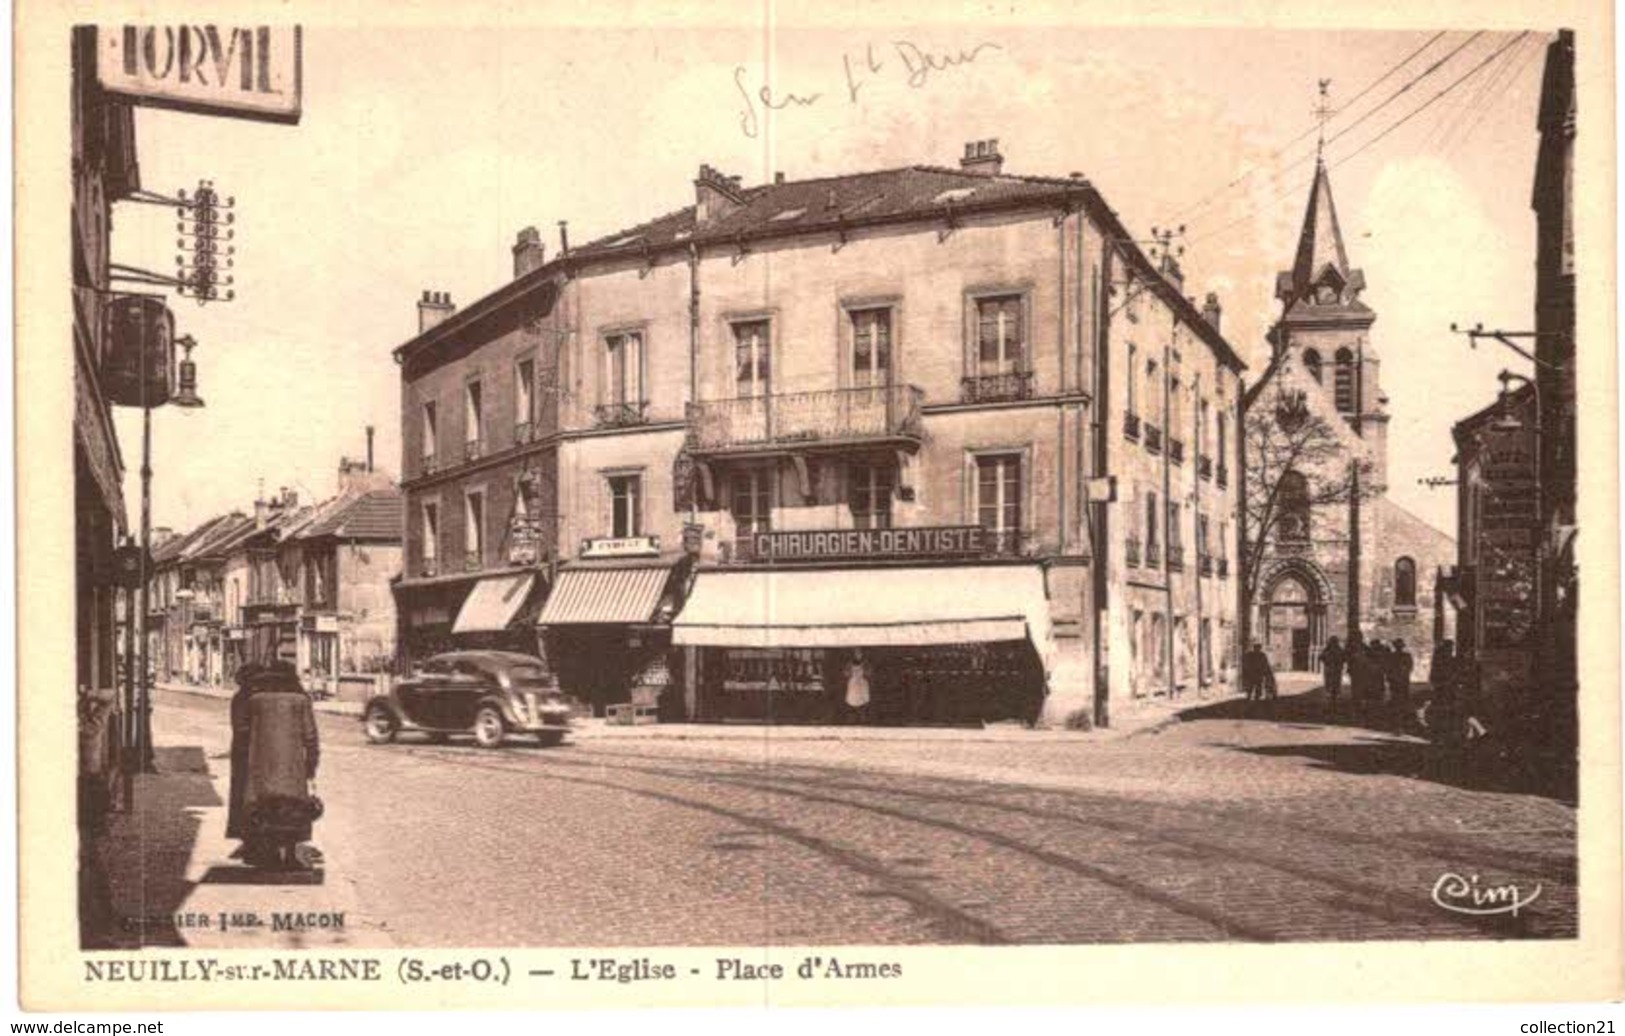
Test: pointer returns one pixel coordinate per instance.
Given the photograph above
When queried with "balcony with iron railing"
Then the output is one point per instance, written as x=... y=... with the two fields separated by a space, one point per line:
x=1131 y=426
x=1004 y=387
x=1176 y=450
x=1204 y=466
x=1176 y=557
x=887 y=414
x=1153 y=554
x=473 y=450
x=1131 y=551
x=621 y=415
x=1153 y=438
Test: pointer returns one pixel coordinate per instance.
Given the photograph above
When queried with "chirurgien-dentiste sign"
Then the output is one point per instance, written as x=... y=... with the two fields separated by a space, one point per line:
x=245 y=72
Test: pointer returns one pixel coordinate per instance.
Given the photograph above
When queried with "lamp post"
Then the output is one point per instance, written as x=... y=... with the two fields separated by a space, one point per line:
x=186 y=396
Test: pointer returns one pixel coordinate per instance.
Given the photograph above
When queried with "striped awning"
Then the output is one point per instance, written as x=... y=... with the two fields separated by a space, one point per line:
x=608 y=595
x=492 y=604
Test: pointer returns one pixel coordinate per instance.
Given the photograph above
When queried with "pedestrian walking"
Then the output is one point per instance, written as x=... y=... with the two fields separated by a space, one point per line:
x=1331 y=664
x=1255 y=672
x=275 y=749
x=1400 y=665
x=857 y=689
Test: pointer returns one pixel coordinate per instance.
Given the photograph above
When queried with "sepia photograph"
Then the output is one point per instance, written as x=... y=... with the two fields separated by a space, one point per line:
x=730 y=500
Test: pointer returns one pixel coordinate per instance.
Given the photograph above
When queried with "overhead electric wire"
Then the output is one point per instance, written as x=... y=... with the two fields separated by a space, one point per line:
x=1258 y=210
x=1278 y=152
x=1516 y=67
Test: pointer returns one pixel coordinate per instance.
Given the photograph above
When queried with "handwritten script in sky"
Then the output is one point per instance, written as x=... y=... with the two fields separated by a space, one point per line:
x=916 y=66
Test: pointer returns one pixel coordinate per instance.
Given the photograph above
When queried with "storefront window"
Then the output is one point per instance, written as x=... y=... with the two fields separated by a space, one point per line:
x=870 y=496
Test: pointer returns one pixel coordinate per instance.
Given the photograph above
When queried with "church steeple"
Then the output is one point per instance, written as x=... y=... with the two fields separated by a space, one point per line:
x=1320 y=273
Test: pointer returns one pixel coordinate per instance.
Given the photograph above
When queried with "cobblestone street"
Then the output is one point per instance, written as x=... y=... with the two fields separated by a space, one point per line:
x=1227 y=826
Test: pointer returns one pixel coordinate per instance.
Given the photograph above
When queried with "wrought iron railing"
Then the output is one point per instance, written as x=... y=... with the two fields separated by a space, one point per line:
x=621 y=415
x=791 y=418
x=1204 y=466
x=1131 y=426
x=1153 y=438
x=1131 y=551
x=1153 y=554
x=1176 y=557
x=472 y=562
x=997 y=388
x=1176 y=450
x=473 y=449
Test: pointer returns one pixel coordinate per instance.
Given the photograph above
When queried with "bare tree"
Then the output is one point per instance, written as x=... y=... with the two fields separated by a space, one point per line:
x=1289 y=445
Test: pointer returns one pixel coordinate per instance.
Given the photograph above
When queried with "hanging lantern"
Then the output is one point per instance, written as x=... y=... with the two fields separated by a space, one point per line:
x=186 y=395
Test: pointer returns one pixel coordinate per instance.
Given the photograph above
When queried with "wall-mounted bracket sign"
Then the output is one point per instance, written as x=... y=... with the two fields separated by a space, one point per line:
x=242 y=72
x=621 y=547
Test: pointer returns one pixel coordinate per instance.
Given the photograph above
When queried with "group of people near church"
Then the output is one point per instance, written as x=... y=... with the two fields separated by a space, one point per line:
x=1379 y=675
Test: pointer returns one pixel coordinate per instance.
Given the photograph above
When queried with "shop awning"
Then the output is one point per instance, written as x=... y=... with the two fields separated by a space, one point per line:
x=493 y=603
x=872 y=607
x=601 y=595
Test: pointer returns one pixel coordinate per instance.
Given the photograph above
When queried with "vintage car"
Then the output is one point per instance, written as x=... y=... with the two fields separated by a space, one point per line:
x=486 y=693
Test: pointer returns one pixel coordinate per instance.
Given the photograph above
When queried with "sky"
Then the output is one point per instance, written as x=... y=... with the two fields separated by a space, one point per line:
x=422 y=152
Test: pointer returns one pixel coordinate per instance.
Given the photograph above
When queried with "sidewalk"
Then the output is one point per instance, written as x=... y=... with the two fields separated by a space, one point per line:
x=166 y=871
x=1142 y=716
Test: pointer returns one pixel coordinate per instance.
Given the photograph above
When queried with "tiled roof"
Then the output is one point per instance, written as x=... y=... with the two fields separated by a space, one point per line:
x=375 y=515
x=905 y=194
x=178 y=547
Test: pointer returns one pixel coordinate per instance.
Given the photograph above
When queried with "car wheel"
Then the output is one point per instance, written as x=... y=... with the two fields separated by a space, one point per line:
x=488 y=727
x=549 y=738
x=381 y=725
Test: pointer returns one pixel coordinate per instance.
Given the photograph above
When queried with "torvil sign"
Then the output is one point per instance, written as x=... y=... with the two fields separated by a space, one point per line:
x=942 y=541
x=245 y=72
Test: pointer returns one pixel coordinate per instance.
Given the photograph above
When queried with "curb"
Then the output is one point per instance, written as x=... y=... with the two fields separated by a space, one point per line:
x=336 y=708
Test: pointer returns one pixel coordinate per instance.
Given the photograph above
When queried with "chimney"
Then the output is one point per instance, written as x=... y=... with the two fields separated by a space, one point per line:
x=564 y=238
x=434 y=307
x=778 y=177
x=290 y=499
x=715 y=195
x=369 y=447
x=262 y=512
x=1211 y=310
x=528 y=253
x=982 y=158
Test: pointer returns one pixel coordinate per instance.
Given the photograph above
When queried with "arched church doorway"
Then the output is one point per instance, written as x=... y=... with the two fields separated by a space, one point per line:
x=1294 y=623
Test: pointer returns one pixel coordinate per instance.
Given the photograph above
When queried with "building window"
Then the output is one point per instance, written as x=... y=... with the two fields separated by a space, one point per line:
x=431 y=434
x=1224 y=444
x=1405 y=583
x=1132 y=403
x=625 y=505
x=473 y=416
x=998 y=494
x=524 y=398
x=1344 y=389
x=474 y=528
x=431 y=533
x=1311 y=363
x=752 y=500
x=752 y=362
x=1153 y=548
x=999 y=344
x=869 y=493
x=623 y=371
x=1292 y=498
x=1205 y=650
x=871 y=348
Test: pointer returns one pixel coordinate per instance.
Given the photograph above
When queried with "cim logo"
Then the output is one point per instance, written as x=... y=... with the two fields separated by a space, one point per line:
x=253 y=72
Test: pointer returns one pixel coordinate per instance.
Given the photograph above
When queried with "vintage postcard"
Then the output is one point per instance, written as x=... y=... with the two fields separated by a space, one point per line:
x=532 y=505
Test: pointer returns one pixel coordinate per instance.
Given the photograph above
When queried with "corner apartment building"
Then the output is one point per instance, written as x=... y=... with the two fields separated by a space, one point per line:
x=883 y=412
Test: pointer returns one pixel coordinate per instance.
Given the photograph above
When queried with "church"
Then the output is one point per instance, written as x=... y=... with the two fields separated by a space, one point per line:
x=1326 y=364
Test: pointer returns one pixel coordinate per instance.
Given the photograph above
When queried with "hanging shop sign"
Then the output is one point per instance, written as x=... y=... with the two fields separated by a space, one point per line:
x=525 y=540
x=243 y=72
x=621 y=547
x=140 y=332
x=946 y=541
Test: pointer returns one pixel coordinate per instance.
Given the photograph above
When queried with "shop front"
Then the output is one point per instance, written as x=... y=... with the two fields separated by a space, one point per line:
x=494 y=611
x=606 y=627
x=941 y=644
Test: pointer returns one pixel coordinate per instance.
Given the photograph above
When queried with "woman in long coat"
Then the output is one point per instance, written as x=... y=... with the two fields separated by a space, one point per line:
x=274 y=754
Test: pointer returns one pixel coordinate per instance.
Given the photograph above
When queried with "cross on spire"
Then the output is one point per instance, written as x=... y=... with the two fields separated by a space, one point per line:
x=1323 y=111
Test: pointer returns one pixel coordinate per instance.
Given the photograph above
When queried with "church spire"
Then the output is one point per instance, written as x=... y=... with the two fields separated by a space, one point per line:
x=1320 y=269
